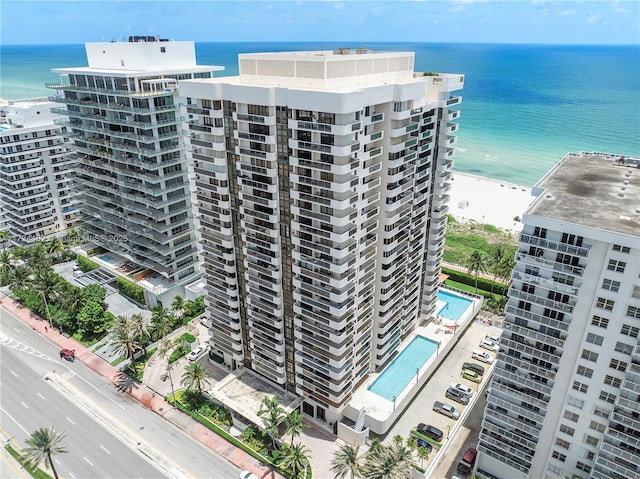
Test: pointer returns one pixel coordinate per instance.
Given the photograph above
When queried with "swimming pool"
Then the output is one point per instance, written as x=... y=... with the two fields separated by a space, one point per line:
x=454 y=307
x=107 y=258
x=402 y=370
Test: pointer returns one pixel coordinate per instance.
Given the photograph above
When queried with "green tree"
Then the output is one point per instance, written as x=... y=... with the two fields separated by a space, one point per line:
x=423 y=453
x=5 y=236
x=346 y=462
x=272 y=413
x=54 y=247
x=8 y=262
x=496 y=258
x=48 y=283
x=476 y=264
x=177 y=306
x=195 y=376
x=293 y=423
x=90 y=320
x=19 y=278
x=162 y=322
x=294 y=459
x=42 y=446
x=39 y=259
x=74 y=301
x=95 y=293
x=124 y=338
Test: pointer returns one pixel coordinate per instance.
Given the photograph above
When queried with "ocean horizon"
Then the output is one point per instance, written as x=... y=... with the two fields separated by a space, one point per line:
x=523 y=106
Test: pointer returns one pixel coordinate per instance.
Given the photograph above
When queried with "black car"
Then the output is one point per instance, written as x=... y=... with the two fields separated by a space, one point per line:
x=430 y=431
x=475 y=367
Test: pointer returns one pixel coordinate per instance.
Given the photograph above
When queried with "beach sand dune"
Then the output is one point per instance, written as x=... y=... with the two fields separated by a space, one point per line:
x=488 y=201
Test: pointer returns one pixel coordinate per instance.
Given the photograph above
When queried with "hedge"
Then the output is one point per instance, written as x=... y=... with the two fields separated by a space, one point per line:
x=131 y=290
x=86 y=264
x=470 y=279
x=426 y=438
x=95 y=251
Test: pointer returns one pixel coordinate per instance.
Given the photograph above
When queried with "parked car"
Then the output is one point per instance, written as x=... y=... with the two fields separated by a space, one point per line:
x=461 y=387
x=197 y=353
x=490 y=345
x=465 y=466
x=430 y=431
x=482 y=356
x=457 y=396
x=446 y=409
x=68 y=354
x=422 y=443
x=471 y=375
x=475 y=367
x=493 y=337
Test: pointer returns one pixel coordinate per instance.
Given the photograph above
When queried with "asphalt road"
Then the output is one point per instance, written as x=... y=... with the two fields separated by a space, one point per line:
x=109 y=434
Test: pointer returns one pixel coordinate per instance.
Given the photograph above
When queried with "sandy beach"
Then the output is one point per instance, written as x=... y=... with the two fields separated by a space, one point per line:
x=488 y=201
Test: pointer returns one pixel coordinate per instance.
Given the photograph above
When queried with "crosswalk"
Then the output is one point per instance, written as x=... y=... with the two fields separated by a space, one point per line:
x=18 y=346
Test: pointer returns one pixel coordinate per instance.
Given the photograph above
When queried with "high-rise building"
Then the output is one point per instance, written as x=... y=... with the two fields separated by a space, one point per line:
x=564 y=401
x=322 y=182
x=36 y=169
x=125 y=121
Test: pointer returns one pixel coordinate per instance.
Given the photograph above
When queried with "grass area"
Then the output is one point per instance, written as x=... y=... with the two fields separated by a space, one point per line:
x=470 y=289
x=36 y=473
x=117 y=361
x=463 y=238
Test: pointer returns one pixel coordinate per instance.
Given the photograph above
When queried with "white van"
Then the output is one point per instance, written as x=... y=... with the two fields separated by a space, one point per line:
x=493 y=337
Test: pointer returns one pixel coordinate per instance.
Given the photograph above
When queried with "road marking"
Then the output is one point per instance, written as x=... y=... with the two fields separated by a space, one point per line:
x=71 y=474
x=41 y=396
x=70 y=420
x=59 y=463
x=11 y=371
x=104 y=449
x=90 y=463
x=17 y=423
x=24 y=404
x=171 y=442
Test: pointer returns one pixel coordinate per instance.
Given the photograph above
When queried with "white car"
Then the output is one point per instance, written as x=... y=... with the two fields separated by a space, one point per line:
x=482 y=356
x=490 y=345
x=492 y=337
x=196 y=353
x=461 y=387
x=248 y=475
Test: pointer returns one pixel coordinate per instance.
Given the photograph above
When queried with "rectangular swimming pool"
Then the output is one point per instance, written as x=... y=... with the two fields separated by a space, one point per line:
x=107 y=258
x=454 y=307
x=402 y=369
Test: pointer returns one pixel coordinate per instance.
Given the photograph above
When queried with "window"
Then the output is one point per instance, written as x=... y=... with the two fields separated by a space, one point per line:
x=592 y=441
x=567 y=430
x=600 y=322
x=574 y=401
x=578 y=386
x=581 y=466
x=586 y=372
x=596 y=426
x=589 y=355
x=617 y=266
x=606 y=304
x=633 y=312
x=595 y=339
x=554 y=469
x=163 y=50
x=612 y=381
x=619 y=365
x=601 y=412
x=562 y=443
x=571 y=416
x=624 y=348
x=622 y=249
x=608 y=397
x=611 y=285
x=629 y=330
x=560 y=457
x=590 y=456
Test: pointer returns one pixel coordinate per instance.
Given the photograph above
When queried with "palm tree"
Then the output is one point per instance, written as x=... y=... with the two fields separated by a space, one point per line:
x=74 y=301
x=346 y=462
x=294 y=424
x=44 y=444
x=402 y=456
x=295 y=459
x=124 y=339
x=38 y=257
x=496 y=257
x=54 y=247
x=4 y=237
x=504 y=272
x=423 y=453
x=477 y=264
x=195 y=375
x=273 y=414
x=177 y=306
x=8 y=262
x=161 y=322
x=48 y=283
x=20 y=278
x=412 y=443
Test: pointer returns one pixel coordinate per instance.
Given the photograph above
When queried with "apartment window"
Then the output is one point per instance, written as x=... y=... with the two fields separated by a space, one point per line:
x=592 y=441
x=562 y=443
x=606 y=304
x=571 y=416
x=636 y=292
x=608 y=397
x=611 y=285
x=596 y=426
x=633 y=312
x=578 y=386
x=600 y=322
x=622 y=249
x=163 y=50
x=612 y=381
x=581 y=466
x=583 y=371
x=617 y=266
x=569 y=431
x=598 y=411
x=624 y=348
x=617 y=364
x=589 y=355
x=595 y=339
x=554 y=469
x=559 y=456
x=575 y=402
x=629 y=330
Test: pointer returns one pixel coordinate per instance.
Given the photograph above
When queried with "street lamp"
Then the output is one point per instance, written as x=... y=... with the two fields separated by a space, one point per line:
x=46 y=306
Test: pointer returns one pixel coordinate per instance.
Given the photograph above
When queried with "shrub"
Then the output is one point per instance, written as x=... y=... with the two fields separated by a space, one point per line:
x=85 y=264
x=189 y=338
x=470 y=279
x=179 y=352
x=95 y=251
x=131 y=290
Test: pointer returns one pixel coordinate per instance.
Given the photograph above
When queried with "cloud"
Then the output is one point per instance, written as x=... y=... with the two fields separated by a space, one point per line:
x=594 y=18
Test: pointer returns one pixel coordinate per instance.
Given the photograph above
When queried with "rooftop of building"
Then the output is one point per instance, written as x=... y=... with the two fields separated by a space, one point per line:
x=596 y=190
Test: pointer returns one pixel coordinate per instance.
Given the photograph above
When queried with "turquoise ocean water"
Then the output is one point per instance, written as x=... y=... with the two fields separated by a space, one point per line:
x=524 y=106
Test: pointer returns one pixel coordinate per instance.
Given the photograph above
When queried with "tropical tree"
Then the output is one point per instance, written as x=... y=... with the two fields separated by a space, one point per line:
x=177 y=306
x=477 y=264
x=412 y=443
x=272 y=414
x=295 y=459
x=95 y=293
x=497 y=255
x=48 y=283
x=124 y=339
x=20 y=278
x=138 y=325
x=402 y=456
x=39 y=258
x=8 y=262
x=54 y=247
x=294 y=424
x=43 y=445
x=161 y=322
x=346 y=462
x=504 y=272
x=5 y=236
x=74 y=300
x=196 y=376
x=423 y=453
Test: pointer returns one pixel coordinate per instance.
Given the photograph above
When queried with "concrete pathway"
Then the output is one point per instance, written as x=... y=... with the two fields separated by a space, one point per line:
x=143 y=394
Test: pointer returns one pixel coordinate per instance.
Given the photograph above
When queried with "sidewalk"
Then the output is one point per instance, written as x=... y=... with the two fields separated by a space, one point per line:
x=142 y=394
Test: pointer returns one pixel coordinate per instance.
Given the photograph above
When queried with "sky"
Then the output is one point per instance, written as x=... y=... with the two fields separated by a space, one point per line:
x=421 y=21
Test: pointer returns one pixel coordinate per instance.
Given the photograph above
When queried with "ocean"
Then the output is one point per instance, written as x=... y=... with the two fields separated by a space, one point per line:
x=523 y=106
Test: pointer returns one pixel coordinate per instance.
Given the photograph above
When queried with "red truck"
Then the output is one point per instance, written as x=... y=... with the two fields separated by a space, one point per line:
x=465 y=466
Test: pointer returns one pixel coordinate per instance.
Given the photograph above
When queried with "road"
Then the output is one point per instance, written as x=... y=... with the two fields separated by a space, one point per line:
x=109 y=434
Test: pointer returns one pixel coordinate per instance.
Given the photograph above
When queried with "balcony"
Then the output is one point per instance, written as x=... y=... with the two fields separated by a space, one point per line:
x=554 y=245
